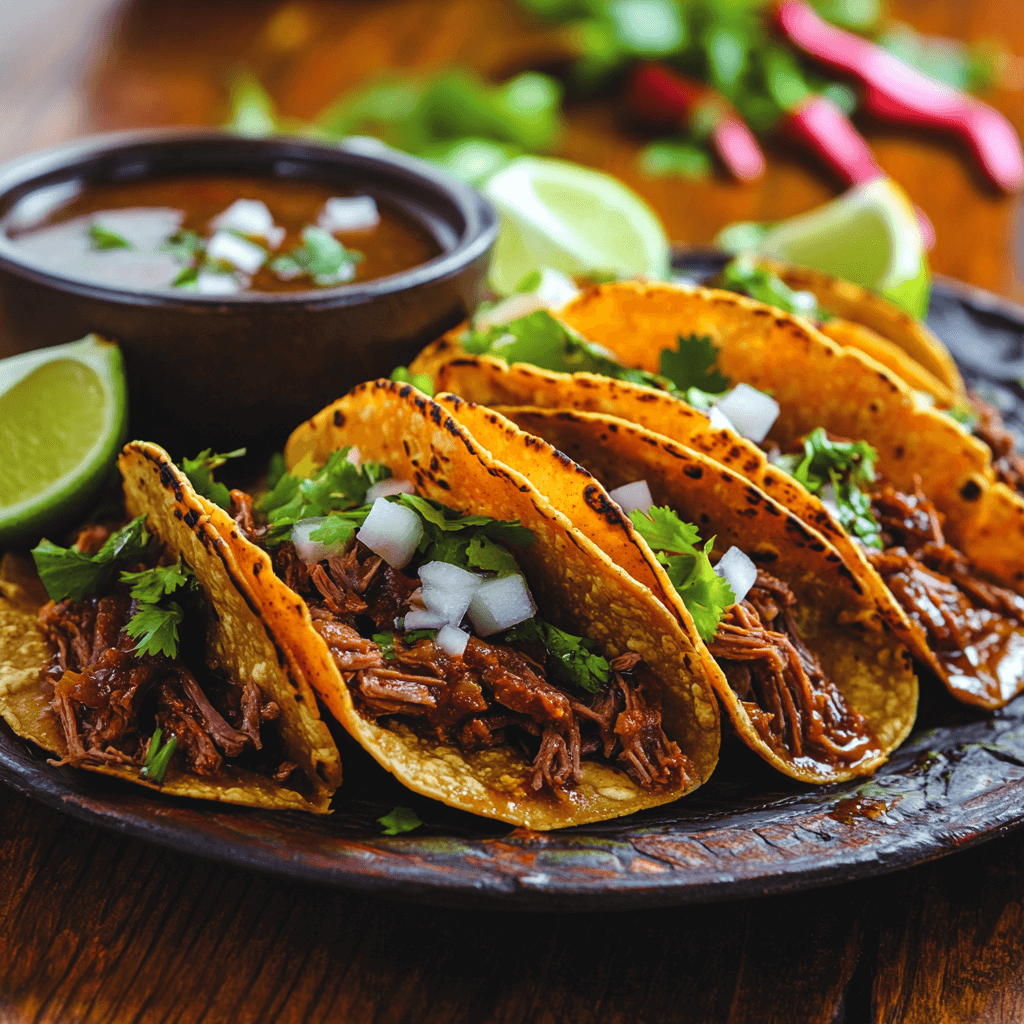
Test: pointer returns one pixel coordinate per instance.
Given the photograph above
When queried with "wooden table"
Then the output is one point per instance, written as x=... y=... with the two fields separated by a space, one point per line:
x=96 y=928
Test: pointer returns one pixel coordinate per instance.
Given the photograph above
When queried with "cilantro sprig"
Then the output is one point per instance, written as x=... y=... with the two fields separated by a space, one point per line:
x=677 y=546
x=200 y=474
x=321 y=257
x=849 y=467
x=103 y=238
x=572 y=660
x=68 y=574
x=156 y=620
x=401 y=819
x=745 y=276
x=421 y=381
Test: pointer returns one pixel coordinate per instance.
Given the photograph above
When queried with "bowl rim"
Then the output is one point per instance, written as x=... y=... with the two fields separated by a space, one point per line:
x=479 y=216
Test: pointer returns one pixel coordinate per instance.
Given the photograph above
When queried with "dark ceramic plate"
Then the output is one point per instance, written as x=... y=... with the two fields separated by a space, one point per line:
x=957 y=781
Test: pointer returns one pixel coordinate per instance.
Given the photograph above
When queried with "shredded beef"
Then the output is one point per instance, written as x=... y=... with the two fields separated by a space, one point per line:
x=793 y=705
x=1007 y=462
x=242 y=513
x=971 y=624
x=108 y=700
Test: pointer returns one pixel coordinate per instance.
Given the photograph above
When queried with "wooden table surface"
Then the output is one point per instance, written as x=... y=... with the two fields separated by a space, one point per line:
x=97 y=928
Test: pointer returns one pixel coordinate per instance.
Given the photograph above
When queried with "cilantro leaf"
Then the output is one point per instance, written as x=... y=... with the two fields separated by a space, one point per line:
x=103 y=238
x=150 y=585
x=705 y=594
x=321 y=257
x=184 y=246
x=340 y=527
x=69 y=574
x=386 y=641
x=571 y=659
x=200 y=474
x=401 y=819
x=849 y=467
x=484 y=553
x=963 y=414
x=421 y=381
x=440 y=516
x=692 y=365
x=187 y=278
x=743 y=275
x=276 y=469
x=155 y=626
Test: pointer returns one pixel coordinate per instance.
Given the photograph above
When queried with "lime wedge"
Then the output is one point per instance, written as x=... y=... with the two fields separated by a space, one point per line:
x=869 y=235
x=560 y=215
x=63 y=416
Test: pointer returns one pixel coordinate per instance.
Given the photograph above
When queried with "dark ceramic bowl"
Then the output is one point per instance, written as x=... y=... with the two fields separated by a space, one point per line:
x=228 y=370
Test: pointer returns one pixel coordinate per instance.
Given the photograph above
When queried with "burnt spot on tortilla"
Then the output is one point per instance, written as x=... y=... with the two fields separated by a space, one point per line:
x=434 y=464
x=191 y=518
x=177 y=514
x=405 y=391
x=169 y=479
x=759 y=311
x=781 y=321
x=694 y=472
x=613 y=427
x=705 y=518
x=339 y=418
x=754 y=496
x=763 y=557
x=971 y=490
x=751 y=465
x=793 y=525
x=443 y=484
x=874 y=405
x=898 y=452
x=728 y=477
x=257 y=567
x=816 y=546
x=844 y=571
x=647 y=396
x=598 y=502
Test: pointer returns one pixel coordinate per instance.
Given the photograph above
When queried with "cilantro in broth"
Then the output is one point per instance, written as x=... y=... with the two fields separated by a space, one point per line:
x=101 y=237
x=321 y=257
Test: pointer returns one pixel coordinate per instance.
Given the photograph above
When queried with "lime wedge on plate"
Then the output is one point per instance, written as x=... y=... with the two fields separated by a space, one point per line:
x=63 y=415
x=869 y=235
x=560 y=215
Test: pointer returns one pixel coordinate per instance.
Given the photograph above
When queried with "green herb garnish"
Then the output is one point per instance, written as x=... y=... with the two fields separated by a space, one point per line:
x=68 y=574
x=158 y=757
x=571 y=659
x=401 y=819
x=184 y=246
x=705 y=594
x=155 y=626
x=692 y=365
x=386 y=641
x=151 y=585
x=420 y=381
x=200 y=474
x=103 y=238
x=321 y=256
x=745 y=276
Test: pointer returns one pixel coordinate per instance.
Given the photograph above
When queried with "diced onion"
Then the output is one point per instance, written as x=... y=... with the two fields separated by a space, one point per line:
x=499 y=604
x=452 y=604
x=354 y=456
x=249 y=217
x=512 y=308
x=446 y=576
x=392 y=531
x=351 y=213
x=556 y=289
x=751 y=412
x=448 y=589
x=630 y=497
x=827 y=496
x=386 y=488
x=421 y=618
x=208 y=283
x=452 y=640
x=719 y=420
x=738 y=571
x=237 y=251
x=311 y=551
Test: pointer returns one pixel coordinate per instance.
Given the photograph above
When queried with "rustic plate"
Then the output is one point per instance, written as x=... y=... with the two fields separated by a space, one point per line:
x=957 y=781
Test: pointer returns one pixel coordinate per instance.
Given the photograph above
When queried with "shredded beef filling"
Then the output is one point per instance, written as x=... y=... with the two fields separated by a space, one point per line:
x=1007 y=462
x=973 y=626
x=793 y=705
x=109 y=701
x=492 y=694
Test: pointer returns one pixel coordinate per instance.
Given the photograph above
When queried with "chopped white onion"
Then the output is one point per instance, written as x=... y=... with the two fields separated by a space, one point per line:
x=352 y=213
x=499 y=604
x=392 y=531
x=208 y=283
x=417 y=618
x=452 y=604
x=632 y=496
x=249 y=217
x=805 y=302
x=311 y=551
x=448 y=589
x=386 y=488
x=738 y=571
x=445 y=576
x=452 y=640
x=751 y=412
x=237 y=251
x=719 y=420
x=354 y=457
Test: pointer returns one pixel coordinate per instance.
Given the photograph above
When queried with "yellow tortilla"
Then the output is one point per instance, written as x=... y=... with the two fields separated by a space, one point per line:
x=843 y=619
x=239 y=639
x=924 y=357
x=817 y=383
x=574 y=583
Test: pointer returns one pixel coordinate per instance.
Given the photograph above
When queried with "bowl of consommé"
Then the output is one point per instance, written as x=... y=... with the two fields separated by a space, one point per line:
x=249 y=282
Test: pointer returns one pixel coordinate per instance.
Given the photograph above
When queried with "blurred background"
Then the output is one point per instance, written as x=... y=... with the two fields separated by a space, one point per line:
x=550 y=76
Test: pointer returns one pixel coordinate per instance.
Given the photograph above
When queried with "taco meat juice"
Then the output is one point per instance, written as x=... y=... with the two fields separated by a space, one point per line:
x=83 y=237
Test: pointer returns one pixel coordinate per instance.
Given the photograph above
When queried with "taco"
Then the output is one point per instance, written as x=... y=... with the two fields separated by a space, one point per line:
x=148 y=664
x=479 y=647
x=806 y=663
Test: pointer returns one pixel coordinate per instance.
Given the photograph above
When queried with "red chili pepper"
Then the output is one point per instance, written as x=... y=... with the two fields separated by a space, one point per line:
x=820 y=126
x=894 y=91
x=663 y=98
